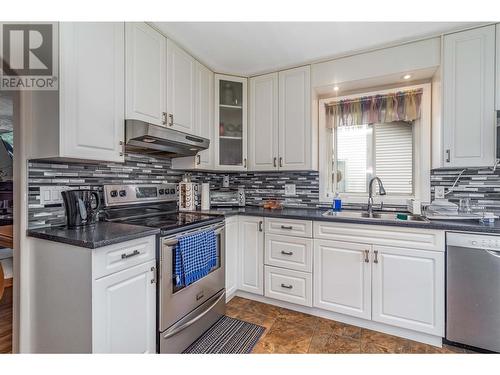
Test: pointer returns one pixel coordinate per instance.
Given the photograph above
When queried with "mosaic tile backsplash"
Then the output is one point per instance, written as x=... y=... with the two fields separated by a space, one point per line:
x=260 y=186
x=136 y=169
x=481 y=185
x=139 y=169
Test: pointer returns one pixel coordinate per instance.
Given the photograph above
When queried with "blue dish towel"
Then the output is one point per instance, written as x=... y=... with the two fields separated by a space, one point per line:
x=195 y=256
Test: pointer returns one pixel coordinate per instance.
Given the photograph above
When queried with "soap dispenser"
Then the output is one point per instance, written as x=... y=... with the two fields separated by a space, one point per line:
x=337 y=202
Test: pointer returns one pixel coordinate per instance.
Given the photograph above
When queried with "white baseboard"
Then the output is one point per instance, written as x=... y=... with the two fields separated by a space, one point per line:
x=368 y=324
x=230 y=295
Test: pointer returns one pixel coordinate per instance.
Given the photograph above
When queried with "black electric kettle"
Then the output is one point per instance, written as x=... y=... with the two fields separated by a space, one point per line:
x=81 y=207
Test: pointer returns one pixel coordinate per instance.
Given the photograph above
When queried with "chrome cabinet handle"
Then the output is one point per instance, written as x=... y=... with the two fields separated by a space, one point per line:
x=289 y=227
x=164 y=118
x=260 y=226
x=245 y=163
x=367 y=252
x=448 y=155
x=198 y=159
x=287 y=286
x=170 y=119
x=376 y=256
x=281 y=161
x=286 y=252
x=274 y=162
x=122 y=144
x=153 y=269
x=132 y=254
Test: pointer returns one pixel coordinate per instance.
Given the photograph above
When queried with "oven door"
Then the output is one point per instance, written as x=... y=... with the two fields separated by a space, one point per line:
x=177 y=302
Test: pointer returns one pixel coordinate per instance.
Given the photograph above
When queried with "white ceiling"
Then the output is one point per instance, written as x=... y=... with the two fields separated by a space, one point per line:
x=249 y=48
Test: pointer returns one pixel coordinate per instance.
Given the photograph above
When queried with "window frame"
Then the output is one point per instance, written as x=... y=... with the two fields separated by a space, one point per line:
x=421 y=151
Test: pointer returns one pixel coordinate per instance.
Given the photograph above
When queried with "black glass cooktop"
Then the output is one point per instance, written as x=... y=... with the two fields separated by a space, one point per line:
x=174 y=222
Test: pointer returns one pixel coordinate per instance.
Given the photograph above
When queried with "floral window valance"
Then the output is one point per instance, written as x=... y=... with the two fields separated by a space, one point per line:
x=397 y=106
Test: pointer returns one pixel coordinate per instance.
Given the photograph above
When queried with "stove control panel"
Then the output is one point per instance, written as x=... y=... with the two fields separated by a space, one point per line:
x=115 y=195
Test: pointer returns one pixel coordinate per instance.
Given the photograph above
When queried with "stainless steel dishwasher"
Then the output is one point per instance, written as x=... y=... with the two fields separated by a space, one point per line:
x=473 y=290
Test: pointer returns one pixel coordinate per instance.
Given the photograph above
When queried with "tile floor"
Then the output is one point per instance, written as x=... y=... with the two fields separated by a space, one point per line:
x=294 y=332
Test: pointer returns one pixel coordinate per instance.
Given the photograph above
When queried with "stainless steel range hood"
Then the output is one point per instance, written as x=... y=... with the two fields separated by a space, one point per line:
x=145 y=138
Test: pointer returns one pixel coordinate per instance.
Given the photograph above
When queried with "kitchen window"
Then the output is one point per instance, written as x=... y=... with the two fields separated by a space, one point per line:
x=366 y=151
x=398 y=152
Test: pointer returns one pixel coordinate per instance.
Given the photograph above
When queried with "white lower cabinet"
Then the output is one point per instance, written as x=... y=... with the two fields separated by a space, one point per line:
x=408 y=288
x=251 y=254
x=289 y=252
x=124 y=313
x=231 y=250
x=342 y=278
x=392 y=276
x=398 y=286
x=288 y=285
x=94 y=300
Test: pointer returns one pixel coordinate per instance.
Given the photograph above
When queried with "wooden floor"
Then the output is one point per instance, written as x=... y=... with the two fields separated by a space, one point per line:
x=6 y=322
x=293 y=332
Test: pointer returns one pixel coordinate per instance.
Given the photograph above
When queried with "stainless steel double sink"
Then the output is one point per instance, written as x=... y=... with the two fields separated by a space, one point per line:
x=376 y=215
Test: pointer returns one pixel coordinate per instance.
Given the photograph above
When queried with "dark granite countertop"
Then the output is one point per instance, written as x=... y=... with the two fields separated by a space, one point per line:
x=317 y=215
x=97 y=235
x=106 y=233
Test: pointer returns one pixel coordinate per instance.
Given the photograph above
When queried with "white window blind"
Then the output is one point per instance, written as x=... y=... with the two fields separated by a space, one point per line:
x=394 y=156
x=383 y=150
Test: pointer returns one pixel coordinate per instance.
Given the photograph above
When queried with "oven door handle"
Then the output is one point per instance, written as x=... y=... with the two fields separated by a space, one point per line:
x=174 y=241
x=176 y=329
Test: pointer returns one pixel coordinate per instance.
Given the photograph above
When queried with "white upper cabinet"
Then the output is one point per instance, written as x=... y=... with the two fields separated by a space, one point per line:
x=280 y=130
x=469 y=98
x=498 y=68
x=263 y=123
x=295 y=128
x=230 y=123
x=85 y=118
x=204 y=120
x=145 y=74
x=181 y=87
x=91 y=97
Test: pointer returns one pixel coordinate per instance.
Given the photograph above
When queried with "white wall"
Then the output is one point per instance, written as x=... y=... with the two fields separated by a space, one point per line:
x=423 y=56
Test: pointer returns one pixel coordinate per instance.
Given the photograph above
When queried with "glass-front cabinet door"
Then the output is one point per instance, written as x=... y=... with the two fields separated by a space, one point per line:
x=231 y=122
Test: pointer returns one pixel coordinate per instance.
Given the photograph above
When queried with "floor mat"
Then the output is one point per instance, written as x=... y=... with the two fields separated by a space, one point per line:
x=227 y=336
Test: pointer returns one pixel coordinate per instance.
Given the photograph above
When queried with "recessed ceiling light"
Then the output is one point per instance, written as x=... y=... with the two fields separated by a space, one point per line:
x=335 y=88
x=407 y=76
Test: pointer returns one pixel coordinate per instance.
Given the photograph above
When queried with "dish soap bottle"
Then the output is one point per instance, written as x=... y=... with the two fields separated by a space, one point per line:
x=337 y=202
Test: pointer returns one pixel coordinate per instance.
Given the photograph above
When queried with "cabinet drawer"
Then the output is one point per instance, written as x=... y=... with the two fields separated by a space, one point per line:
x=114 y=258
x=289 y=227
x=287 y=285
x=414 y=238
x=289 y=252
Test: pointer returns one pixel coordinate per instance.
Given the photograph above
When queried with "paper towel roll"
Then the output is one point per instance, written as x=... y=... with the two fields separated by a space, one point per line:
x=205 y=196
